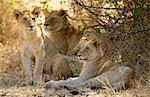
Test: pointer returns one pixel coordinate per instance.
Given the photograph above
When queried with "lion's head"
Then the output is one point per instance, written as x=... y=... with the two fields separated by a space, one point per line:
x=91 y=50
x=26 y=19
x=86 y=37
x=56 y=21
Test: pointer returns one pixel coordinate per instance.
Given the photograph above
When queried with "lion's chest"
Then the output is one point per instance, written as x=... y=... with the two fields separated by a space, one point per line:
x=60 y=42
x=32 y=47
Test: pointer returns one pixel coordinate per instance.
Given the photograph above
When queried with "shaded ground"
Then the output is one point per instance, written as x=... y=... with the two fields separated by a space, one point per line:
x=10 y=87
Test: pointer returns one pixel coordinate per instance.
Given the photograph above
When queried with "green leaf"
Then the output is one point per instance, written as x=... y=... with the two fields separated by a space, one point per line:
x=44 y=5
x=13 y=3
x=97 y=30
x=136 y=11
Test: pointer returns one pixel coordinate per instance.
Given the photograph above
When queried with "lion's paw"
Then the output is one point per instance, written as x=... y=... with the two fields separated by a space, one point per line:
x=53 y=84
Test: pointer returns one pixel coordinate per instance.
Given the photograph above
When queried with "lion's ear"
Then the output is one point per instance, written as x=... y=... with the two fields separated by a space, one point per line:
x=17 y=14
x=36 y=11
x=46 y=12
x=63 y=12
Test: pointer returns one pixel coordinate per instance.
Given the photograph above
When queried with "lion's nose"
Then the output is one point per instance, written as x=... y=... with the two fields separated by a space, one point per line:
x=46 y=24
x=31 y=26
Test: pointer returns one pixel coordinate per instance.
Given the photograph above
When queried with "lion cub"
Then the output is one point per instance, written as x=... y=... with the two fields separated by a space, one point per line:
x=60 y=31
x=33 y=44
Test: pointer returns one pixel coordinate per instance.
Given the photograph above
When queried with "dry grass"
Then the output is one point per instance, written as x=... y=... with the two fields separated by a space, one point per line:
x=12 y=79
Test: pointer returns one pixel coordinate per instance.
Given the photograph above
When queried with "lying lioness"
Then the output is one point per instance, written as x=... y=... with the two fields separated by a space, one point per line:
x=33 y=44
x=97 y=70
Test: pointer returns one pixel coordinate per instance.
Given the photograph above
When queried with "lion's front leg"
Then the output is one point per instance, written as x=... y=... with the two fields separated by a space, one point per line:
x=63 y=84
x=91 y=83
x=116 y=79
x=26 y=61
x=39 y=64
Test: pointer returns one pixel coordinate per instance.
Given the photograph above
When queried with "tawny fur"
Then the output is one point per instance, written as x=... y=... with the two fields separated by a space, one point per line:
x=60 y=31
x=33 y=44
x=97 y=70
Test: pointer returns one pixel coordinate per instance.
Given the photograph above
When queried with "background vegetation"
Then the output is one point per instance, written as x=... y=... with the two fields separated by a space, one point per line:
x=126 y=22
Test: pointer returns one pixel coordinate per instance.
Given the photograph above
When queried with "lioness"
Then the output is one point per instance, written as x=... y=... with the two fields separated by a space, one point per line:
x=33 y=44
x=85 y=37
x=97 y=70
x=74 y=64
x=60 y=31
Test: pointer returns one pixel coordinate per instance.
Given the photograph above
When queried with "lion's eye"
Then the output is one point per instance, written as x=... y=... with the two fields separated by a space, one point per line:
x=53 y=18
x=33 y=18
x=36 y=13
x=87 y=48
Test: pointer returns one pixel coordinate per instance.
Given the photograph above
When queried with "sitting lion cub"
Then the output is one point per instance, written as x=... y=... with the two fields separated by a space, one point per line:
x=97 y=70
x=60 y=31
x=33 y=44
